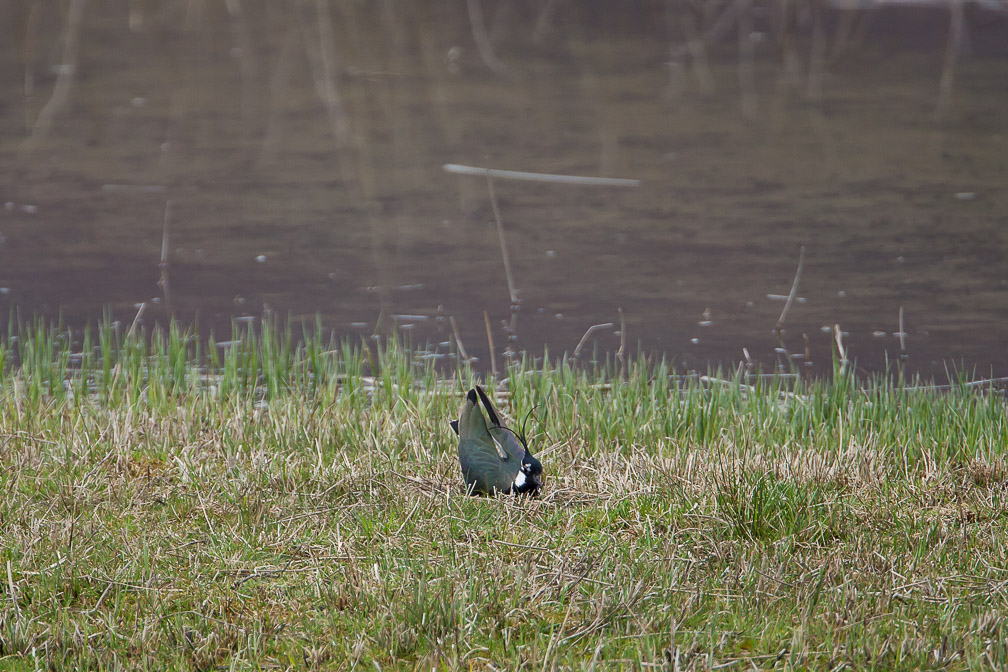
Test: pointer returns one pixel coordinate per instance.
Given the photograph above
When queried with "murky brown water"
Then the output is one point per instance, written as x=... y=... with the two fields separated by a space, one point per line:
x=301 y=146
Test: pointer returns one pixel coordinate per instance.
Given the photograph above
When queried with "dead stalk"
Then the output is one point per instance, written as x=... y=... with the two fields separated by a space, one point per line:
x=592 y=329
x=503 y=242
x=136 y=320
x=526 y=176
x=512 y=290
x=117 y=369
x=458 y=339
x=490 y=344
x=841 y=350
x=778 y=330
x=13 y=594
x=902 y=335
x=794 y=291
x=621 y=353
x=163 y=266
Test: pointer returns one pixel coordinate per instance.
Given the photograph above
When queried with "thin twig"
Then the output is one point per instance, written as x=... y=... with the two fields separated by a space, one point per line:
x=117 y=369
x=526 y=547
x=490 y=343
x=902 y=335
x=199 y=496
x=577 y=180
x=10 y=584
x=512 y=329
x=985 y=382
x=553 y=637
x=794 y=290
x=101 y=599
x=592 y=329
x=503 y=243
x=163 y=266
x=778 y=330
x=458 y=339
x=621 y=353
x=838 y=337
x=136 y=319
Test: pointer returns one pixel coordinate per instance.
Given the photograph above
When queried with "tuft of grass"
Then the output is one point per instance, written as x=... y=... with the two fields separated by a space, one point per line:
x=286 y=499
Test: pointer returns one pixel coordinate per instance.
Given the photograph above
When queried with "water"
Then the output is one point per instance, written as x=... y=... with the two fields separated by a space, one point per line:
x=301 y=148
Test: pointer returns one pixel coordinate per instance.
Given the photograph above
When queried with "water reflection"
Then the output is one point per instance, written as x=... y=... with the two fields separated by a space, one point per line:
x=301 y=147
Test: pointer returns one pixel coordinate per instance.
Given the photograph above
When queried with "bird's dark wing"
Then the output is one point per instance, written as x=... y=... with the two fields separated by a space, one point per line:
x=504 y=436
x=486 y=465
x=482 y=468
x=491 y=411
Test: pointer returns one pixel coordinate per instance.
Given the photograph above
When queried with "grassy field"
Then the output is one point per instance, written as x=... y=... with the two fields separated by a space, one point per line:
x=169 y=504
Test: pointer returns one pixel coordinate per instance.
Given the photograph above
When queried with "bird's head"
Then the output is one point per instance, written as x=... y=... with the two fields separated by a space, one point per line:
x=529 y=478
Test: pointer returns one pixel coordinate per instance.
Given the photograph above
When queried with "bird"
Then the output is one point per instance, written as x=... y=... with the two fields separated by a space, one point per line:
x=493 y=457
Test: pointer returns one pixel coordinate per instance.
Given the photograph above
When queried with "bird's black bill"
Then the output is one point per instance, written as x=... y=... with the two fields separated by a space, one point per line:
x=454 y=426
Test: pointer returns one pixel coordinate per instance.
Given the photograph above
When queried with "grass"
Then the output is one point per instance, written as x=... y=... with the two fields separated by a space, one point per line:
x=295 y=503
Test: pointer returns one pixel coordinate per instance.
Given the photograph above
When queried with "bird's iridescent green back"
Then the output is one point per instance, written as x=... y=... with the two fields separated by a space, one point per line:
x=483 y=468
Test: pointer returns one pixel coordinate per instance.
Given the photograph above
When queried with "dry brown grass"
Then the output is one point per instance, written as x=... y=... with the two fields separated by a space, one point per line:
x=680 y=528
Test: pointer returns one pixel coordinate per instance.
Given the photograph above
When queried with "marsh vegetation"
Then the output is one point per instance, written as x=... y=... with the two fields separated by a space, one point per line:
x=174 y=502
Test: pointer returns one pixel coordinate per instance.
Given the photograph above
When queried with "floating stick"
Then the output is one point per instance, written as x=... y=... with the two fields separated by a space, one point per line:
x=457 y=169
x=592 y=329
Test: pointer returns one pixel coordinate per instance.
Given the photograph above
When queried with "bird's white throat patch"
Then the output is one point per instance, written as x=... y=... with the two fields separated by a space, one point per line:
x=520 y=480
